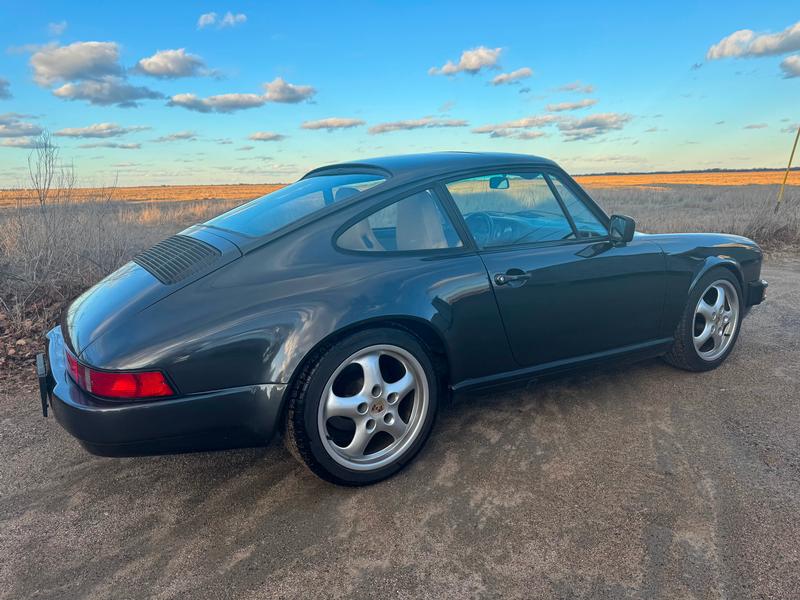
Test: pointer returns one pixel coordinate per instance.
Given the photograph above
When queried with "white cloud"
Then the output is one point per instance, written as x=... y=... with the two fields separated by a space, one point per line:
x=12 y=126
x=332 y=123
x=232 y=20
x=506 y=128
x=91 y=71
x=756 y=126
x=266 y=136
x=111 y=145
x=746 y=43
x=518 y=134
x=279 y=90
x=229 y=19
x=577 y=87
x=5 y=89
x=562 y=106
x=177 y=136
x=19 y=142
x=106 y=92
x=98 y=130
x=592 y=126
x=791 y=128
x=530 y=135
x=57 y=28
x=171 y=64
x=471 y=61
x=80 y=60
x=789 y=65
x=222 y=103
x=513 y=77
x=425 y=122
x=245 y=148
x=206 y=20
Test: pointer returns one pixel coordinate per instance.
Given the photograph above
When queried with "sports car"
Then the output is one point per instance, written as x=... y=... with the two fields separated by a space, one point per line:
x=341 y=310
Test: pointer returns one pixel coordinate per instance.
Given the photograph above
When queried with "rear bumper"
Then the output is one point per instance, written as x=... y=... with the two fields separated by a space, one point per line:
x=236 y=417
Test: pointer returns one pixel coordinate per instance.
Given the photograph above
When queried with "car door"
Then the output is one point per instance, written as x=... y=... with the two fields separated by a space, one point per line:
x=564 y=290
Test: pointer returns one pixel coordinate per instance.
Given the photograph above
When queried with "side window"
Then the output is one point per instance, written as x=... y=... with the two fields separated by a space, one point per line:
x=585 y=222
x=506 y=209
x=416 y=222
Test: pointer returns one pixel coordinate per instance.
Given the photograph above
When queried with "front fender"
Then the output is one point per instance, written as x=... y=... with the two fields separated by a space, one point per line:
x=689 y=256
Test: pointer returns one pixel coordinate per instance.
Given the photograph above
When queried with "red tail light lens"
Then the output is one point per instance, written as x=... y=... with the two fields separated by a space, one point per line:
x=118 y=384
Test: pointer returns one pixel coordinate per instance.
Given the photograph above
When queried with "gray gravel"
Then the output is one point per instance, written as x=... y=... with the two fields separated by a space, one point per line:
x=638 y=481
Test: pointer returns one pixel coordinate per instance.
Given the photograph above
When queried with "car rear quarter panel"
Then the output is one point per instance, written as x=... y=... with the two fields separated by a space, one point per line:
x=254 y=320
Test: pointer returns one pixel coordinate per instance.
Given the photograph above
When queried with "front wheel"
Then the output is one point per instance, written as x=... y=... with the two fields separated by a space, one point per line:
x=710 y=324
x=363 y=407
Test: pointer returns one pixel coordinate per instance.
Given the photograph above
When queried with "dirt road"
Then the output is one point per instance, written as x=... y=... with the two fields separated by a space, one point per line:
x=641 y=481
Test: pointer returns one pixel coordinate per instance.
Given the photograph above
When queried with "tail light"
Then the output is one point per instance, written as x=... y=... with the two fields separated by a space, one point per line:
x=119 y=384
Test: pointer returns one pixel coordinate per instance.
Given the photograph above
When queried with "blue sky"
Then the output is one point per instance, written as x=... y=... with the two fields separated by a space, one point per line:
x=220 y=92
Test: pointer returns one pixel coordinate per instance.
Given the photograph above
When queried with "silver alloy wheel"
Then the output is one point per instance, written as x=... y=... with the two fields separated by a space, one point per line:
x=716 y=318
x=373 y=407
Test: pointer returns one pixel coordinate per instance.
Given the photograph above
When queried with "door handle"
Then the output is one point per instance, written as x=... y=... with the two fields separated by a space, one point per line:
x=511 y=276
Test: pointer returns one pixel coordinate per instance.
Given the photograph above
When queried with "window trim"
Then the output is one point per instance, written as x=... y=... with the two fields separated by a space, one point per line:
x=467 y=245
x=547 y=171
x=591 y=206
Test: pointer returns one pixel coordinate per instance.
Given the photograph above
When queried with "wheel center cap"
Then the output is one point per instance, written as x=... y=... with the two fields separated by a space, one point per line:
x=377 y=407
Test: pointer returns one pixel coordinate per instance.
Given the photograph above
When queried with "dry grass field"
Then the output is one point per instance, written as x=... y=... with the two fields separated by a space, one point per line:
x=154 y=193
x=709 y=178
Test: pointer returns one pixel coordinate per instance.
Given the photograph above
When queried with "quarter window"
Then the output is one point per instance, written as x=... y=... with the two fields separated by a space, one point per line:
x=505 y=209
x=416 y=222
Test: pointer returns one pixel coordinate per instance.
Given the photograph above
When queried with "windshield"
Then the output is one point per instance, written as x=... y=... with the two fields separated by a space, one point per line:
x=293 y=202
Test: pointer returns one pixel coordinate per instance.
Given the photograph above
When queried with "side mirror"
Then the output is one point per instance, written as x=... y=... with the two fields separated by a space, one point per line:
x=498 y=182
x=621 y=229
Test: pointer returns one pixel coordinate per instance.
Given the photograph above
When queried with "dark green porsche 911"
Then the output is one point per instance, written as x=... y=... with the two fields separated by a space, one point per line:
x=340 y=309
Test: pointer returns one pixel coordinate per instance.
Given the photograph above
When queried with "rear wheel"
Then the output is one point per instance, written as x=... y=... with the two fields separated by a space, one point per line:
x=710 y=325
x=363 y=407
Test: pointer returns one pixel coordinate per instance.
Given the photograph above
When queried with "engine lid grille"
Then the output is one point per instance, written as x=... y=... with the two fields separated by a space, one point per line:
x=176 y=258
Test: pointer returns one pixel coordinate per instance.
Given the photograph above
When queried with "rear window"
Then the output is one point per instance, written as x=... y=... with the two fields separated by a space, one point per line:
x=269 y=213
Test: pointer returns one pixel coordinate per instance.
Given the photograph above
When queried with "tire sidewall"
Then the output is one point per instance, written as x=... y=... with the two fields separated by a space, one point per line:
x=688 y=330
x=326 y=366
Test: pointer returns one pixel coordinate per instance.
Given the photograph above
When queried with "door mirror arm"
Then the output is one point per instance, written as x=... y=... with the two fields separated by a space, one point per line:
x=621 y=229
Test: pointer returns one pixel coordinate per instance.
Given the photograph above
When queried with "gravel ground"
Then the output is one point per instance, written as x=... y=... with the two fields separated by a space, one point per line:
x=638 y=481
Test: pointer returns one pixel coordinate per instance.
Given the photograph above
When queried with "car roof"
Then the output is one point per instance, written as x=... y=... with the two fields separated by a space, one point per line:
x=433 y=163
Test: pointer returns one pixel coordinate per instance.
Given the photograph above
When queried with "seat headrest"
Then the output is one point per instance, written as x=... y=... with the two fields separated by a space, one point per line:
x=343 y=193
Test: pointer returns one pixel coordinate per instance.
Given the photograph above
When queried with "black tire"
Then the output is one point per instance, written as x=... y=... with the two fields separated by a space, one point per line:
x=303 y=437
x=683 y=354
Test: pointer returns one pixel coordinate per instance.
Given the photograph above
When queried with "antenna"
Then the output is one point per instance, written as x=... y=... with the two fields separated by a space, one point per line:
x=788 y=168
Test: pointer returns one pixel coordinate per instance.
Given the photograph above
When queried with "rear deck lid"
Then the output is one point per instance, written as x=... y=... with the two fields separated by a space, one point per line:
x=151 y=276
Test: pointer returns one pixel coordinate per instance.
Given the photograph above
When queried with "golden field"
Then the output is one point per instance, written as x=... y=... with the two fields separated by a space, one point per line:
x=715 y=178
x=156 y=193
x=178 y=193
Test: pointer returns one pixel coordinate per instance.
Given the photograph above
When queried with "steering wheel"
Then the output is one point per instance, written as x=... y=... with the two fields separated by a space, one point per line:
x=481 y=227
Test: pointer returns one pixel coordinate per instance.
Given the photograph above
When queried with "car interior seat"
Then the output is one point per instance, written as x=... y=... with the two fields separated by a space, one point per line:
x=419 y=225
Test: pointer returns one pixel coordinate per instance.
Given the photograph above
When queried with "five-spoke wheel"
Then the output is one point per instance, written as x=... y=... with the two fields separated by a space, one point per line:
x=715 y=320
x=373 y=406
x=364 y=406
x=710 y=324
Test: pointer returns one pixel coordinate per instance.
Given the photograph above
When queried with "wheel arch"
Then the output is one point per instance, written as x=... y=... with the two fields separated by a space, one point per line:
x=420 y=328
x=716 y=262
